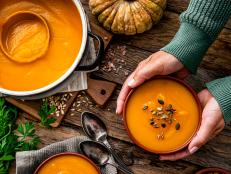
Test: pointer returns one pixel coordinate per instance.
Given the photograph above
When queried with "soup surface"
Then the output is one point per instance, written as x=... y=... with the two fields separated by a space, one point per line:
x=65 y=27
x=162 y=115
x=68 y=164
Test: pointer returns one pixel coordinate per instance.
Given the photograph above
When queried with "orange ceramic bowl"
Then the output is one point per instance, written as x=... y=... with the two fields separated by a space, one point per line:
x=68 y=162
x=137 y=120
x=213 y=169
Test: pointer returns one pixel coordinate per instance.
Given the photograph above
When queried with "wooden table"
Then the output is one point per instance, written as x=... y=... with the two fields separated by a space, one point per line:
x=126 y=53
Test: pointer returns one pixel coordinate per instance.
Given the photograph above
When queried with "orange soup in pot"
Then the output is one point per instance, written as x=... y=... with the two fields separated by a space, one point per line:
x=65 y=29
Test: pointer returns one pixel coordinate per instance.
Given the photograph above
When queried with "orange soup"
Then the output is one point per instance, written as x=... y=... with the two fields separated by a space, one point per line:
x=68 y=164
x=65 y=28
x=162 y=115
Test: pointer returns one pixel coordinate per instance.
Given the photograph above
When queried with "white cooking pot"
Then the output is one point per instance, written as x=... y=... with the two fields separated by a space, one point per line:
x=75 y=65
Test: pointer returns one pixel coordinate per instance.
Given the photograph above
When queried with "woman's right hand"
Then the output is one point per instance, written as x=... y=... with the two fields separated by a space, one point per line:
x=159 y=63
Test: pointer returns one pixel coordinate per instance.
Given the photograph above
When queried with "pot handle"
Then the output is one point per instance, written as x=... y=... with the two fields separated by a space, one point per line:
x=99 y=55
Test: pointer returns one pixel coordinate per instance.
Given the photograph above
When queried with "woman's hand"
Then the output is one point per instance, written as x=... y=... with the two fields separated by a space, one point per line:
x=212 y=123
x=159 y=63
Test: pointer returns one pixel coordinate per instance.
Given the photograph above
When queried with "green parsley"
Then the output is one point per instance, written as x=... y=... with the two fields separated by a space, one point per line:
x=27 y=138
x=44 y=112
x=10 y=142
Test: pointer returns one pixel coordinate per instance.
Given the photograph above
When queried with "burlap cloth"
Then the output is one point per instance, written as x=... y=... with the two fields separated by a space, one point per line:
x=28 y=161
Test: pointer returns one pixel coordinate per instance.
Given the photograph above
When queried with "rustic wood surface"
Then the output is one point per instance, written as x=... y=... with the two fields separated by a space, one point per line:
x=126 y=53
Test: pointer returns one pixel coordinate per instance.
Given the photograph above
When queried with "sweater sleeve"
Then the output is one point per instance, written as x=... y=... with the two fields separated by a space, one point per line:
x=200 y=25
x=221 y=90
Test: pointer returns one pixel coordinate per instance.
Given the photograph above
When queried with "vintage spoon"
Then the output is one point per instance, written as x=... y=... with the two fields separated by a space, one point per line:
x=100 y=155
x=96 y=130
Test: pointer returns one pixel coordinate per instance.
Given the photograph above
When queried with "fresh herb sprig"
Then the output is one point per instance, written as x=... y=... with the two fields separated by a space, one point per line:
x=44 y=112
x=27 y=138
x=10 y=142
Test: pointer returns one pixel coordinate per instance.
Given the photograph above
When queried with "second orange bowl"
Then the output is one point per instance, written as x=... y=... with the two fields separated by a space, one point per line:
x=67 y=162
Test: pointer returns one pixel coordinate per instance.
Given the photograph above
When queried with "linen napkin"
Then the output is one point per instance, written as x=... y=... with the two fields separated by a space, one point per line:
x=28 y=161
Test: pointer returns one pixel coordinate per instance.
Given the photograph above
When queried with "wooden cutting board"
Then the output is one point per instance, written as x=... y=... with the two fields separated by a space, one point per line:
x=98 y=90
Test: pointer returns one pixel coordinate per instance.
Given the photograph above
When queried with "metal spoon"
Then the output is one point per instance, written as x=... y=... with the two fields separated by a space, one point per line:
x=96 y=130
x=99 y=154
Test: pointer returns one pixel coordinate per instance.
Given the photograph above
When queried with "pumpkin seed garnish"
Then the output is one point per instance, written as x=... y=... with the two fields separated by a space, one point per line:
x=170 y=113
x=145 y=107
x=164 y=116
x=163 y=125
x=152 y=121
x=169 y=107
x=154 y=112
x=155 y=125
x=177 y=126
x=160 y=101
x=161 y=117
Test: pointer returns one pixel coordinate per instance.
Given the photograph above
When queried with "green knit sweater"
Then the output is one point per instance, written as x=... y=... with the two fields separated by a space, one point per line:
x=200 y=25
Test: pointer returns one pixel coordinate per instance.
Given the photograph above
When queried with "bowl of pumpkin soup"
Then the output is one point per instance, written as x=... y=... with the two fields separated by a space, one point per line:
x=42 y=44
x=67 y=163
x=162 y=115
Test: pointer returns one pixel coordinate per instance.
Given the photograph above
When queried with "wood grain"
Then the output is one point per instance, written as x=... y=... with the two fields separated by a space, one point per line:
x=100 y=91
x=140 y=161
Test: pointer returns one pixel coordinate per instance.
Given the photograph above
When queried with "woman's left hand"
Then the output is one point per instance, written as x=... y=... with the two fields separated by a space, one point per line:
x=211 y=125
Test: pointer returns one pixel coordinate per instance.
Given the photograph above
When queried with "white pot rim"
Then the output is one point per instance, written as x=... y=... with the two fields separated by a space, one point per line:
x=68 y=72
